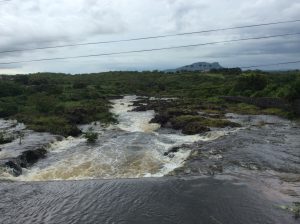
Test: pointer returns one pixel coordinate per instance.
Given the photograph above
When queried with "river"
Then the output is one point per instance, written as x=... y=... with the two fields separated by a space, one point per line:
x=124 y=176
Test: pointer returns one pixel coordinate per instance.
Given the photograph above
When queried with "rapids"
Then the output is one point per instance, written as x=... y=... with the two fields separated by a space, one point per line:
x=133 y=148
x=260 y=173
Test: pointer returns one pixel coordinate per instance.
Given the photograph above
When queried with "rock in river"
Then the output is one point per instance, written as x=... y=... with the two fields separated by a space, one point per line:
x=25 y=160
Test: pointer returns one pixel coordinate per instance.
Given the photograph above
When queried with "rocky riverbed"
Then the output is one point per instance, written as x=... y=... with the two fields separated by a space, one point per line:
x=160 y=138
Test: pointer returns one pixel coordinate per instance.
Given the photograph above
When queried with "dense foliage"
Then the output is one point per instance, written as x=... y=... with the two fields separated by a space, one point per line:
x=58 y=102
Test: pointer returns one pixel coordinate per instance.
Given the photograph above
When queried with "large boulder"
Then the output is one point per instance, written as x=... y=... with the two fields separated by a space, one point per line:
x=30 y=157
x=161 y=119
x=13 y=168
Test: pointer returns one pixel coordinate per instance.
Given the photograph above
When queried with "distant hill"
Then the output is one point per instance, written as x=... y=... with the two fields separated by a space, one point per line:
x=199 y=66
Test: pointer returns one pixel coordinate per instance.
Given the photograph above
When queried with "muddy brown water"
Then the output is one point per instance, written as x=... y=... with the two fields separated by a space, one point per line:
x=227 y=176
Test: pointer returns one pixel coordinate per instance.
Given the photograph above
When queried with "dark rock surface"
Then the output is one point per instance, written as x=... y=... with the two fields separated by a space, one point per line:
x=25 y=160
x=176 y=115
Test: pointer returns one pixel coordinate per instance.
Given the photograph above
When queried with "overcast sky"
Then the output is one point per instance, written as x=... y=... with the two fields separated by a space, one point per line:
x=38 y=23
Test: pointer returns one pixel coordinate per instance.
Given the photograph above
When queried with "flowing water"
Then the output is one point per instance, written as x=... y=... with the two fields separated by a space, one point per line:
x=163 y=200
x=133 y=148
x=260 y=165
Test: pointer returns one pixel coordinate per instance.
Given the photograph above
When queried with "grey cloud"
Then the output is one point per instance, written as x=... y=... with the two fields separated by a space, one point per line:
x=33 y=23
x=37 y=23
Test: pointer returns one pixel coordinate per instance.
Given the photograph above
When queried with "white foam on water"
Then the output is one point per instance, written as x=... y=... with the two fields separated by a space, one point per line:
x=130 y=149
x=65 y=144
x=132 y=121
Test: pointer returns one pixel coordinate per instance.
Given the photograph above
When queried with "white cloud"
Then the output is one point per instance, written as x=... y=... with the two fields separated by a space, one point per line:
x=37 y=23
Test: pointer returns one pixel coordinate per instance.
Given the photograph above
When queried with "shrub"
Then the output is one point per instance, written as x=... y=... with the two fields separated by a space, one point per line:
x=194 y=128
x=53 y=124
x=91 y=137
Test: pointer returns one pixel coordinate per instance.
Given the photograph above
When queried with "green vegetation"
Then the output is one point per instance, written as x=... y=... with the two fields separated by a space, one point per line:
x=57 y=103
x=180 y=121
x=193 y=128
x=91 y=137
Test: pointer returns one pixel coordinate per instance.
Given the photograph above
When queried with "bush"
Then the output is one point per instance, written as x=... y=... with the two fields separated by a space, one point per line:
x=91 y=137
x=194 y=128
x=53 y=124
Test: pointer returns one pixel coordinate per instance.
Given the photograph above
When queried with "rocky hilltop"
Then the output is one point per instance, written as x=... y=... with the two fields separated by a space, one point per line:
x=199 y=66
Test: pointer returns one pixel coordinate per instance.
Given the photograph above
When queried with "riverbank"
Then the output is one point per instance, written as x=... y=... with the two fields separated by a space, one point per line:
x=133 y=148
x=250 y=151
x=58 y=103
x=182 y=128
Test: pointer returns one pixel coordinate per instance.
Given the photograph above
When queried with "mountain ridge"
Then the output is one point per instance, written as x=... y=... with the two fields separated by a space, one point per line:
x=198 y=66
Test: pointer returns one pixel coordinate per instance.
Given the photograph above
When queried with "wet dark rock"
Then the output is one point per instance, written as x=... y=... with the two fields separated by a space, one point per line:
x=140 y=102
x=25 y=160
x=30 y=157
x=175 y=114
x=74 y=131
x=161 y=119
x=177 y=148
x=172 y=150
x=141 y=108
x=13 y=168
x=194 y=128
